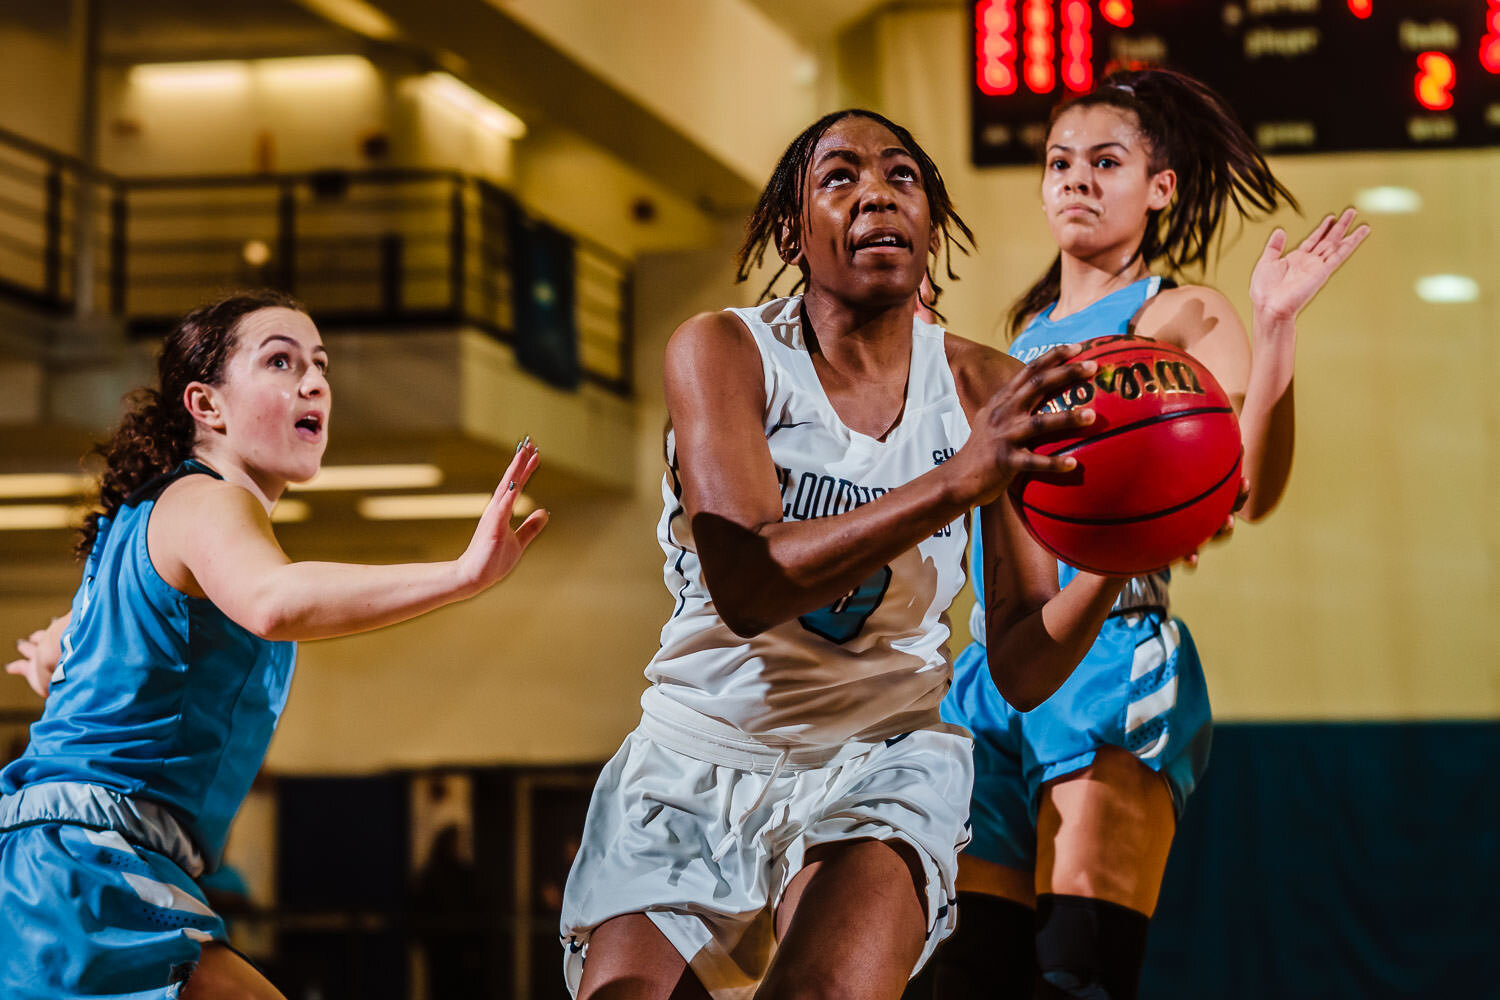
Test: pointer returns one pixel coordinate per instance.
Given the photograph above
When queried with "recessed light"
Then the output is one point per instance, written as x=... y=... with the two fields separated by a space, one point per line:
x=40 y=516
x=433 y=506
x=1447 y=288
x=1388 y=200
x=23 y=485
x=372 y=477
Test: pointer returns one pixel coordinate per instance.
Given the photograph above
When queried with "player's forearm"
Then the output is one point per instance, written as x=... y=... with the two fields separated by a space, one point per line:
x=760 y=577
x=319 y=600
x=1268 y=416
x=1031 y=654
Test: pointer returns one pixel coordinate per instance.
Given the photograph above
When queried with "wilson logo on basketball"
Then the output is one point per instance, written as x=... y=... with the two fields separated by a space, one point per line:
x=1166 y=377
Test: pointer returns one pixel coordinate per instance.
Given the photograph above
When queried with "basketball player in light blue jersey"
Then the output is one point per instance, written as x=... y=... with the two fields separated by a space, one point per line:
x=1075 y=802
x=176 y=657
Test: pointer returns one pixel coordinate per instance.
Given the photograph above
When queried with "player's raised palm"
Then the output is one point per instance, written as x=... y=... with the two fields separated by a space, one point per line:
x=495 y=549
x=1283 y=285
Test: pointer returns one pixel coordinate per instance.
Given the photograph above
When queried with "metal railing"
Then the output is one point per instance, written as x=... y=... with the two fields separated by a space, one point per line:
x=378 y=248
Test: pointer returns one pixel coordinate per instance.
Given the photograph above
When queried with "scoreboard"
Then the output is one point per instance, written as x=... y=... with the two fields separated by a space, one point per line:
x=1304 y=76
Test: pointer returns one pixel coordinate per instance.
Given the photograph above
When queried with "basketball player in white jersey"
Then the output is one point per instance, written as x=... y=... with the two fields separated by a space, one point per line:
x=785 y=820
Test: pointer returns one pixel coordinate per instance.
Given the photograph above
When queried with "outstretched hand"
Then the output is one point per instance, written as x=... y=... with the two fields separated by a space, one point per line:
x=495 y=549
x=40 y=652
x=1282 y=285
x=1000 y=434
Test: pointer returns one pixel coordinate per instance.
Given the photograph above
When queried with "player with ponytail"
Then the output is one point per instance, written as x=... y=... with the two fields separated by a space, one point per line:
x=1076 y=802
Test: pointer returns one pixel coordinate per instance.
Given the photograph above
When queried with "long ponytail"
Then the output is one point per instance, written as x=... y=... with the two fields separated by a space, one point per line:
x=157 y=433
x=1189 y=129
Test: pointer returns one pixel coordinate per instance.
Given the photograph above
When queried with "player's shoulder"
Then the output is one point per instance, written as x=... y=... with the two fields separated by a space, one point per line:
x=1182 y=314
x=978 y=369
x=709 y=338
x=192 y=498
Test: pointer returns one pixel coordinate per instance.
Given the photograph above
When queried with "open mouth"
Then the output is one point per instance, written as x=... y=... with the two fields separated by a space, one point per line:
x=882 y=239
x=310 y=426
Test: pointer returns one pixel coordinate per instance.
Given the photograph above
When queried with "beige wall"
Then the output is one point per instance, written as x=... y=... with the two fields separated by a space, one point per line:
x=718 y=70
x=39 y=77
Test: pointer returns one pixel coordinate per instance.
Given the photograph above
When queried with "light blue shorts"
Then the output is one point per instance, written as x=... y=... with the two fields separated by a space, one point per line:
x=85 y=913
x=1140 y=687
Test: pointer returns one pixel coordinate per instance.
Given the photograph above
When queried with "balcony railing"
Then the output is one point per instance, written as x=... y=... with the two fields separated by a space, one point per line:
x=377 y=248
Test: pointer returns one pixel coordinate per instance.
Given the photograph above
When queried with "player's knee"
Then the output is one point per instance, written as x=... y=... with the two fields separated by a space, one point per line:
x=1088 y=948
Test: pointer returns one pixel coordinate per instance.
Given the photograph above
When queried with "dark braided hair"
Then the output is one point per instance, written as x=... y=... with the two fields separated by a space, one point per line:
x=1188 y=128
x=781 y=207
x=157 y=433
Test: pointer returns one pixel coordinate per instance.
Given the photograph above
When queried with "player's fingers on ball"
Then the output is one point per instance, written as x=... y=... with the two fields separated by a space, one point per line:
x=1052 y=381
x=1045 y=464
x=1042 y=424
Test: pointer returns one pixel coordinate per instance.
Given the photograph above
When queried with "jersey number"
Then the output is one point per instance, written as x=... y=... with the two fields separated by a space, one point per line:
x=842 y=620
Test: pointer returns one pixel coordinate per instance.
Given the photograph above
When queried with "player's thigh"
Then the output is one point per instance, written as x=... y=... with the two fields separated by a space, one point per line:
x=851 y=924
x=1105 y=832
x=630 y=959
x=223 y=975
x=990 y=879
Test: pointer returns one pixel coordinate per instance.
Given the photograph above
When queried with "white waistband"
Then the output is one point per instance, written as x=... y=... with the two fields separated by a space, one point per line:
x=679 y=728
x=79 y=803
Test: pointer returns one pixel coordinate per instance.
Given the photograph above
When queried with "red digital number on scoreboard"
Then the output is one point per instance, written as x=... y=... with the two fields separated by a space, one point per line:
x=1120 y=13
x=1435 y=79
x=1489 y=45
x=995 y=46
x=1036 y=44
x=1078 y=46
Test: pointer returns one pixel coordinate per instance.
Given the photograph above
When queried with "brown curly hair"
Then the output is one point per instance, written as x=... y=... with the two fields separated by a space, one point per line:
x=157 y=433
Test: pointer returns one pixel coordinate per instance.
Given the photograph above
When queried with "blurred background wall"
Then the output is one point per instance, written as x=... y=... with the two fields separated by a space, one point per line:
x=498 y=212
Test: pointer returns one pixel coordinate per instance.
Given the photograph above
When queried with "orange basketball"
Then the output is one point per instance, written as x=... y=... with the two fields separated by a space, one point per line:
x=1158 y=469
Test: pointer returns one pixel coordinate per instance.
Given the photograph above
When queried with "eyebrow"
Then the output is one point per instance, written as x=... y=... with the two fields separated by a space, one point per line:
x=844 y=153
x=1092 y=149
x=289 y=340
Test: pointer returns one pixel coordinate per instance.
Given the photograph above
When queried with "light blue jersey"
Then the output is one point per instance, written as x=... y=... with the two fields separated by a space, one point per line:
x=1140 y=686
x=159 y=715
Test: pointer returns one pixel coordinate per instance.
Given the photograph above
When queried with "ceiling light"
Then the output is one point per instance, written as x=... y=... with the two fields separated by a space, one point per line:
x=356 y=15
x=315 y=71
x=1387 y=200
x=194 y=78
x=1447 y=288
x=23 y=485
x=40 y=516
x=288 y=511
x=455 y=93
x=432 y=506
x=373 y=477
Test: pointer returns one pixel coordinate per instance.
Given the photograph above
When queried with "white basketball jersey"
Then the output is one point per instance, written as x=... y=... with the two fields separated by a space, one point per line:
x=873 y=664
